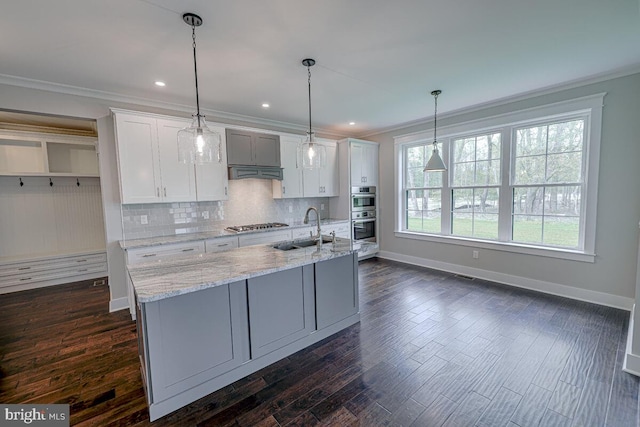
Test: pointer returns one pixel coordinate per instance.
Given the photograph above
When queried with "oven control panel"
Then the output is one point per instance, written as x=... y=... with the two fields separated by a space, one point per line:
x=363 y=215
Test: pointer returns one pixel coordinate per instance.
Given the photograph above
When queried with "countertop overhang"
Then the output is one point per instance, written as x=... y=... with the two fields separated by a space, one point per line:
x=167 y=278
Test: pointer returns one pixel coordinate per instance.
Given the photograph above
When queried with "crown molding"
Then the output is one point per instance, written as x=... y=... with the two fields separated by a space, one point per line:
x=597 y=78
x=100 y=95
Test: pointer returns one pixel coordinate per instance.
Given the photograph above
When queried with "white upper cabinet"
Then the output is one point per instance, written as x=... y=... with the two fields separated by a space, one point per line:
x=212 y=179
x=364 y=163
x=323 y=182
x=291 y=184
x=148 y=160
x=150 y=171
x=177 y=179
x=138 y=163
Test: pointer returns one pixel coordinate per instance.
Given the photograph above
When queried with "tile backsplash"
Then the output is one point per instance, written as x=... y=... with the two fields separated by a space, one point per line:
x=250 y=201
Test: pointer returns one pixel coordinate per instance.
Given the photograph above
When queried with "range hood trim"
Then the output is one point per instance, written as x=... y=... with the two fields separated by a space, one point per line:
x=259 y=172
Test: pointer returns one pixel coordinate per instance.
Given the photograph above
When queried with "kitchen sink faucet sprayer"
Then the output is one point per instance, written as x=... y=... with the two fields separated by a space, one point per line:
x=306 y=221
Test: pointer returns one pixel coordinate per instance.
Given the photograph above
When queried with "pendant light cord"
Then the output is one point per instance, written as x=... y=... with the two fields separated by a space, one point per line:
x=195 y=69
x=309 y=81
x=435 y=121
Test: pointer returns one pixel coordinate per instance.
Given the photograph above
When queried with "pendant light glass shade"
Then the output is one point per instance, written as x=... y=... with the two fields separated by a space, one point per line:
x=435 y=163
x=198 y=144
x=312 y=155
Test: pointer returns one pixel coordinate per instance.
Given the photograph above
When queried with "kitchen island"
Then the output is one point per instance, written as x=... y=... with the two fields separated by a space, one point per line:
x=207 y=320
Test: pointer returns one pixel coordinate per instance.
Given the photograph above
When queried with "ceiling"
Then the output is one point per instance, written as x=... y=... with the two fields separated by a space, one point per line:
x=377 y=60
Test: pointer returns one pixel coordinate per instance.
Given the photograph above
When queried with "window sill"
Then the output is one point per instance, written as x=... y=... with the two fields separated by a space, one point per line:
x=501 y=246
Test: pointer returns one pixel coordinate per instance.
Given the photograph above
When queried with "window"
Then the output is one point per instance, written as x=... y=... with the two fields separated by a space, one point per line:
x=517 y=182
x=476 y=186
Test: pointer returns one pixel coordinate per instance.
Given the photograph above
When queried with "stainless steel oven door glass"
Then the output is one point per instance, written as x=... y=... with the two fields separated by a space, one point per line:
x=363 y=198
x=364 y=230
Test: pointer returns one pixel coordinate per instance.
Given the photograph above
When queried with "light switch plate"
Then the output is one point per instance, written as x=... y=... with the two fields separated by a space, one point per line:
x=205 y=214
x=144 y=220
x=321 y=206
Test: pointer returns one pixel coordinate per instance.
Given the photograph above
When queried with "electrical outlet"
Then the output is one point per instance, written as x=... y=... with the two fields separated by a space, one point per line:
x=321 y=206
x=290 y=208
x=205 y=214
x=144 y=220
x=475 y=254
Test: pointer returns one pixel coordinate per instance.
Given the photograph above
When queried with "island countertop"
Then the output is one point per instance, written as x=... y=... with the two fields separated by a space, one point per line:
x=167 y=278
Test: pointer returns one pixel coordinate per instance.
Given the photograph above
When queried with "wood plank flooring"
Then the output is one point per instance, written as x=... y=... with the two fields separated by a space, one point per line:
x=432 y=349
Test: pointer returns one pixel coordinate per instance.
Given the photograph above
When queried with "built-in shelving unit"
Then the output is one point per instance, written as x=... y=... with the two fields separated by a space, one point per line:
x=41 y=154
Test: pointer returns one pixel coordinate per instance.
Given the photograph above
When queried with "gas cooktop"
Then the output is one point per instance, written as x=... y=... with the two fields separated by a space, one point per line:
x=255 y=227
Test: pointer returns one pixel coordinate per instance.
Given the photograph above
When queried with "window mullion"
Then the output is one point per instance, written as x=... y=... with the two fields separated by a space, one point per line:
x=506 y=192
x=445 y=217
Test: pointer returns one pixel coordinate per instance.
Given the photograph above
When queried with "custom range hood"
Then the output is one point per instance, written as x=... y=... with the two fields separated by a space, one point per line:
x=253 y=155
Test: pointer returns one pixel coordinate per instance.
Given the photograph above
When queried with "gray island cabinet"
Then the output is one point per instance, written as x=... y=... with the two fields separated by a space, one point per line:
x=208 y=320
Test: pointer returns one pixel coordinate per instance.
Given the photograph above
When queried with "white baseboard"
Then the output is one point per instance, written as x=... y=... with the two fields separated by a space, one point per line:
x=118 y=304
x=631 y=362
x=595 y=297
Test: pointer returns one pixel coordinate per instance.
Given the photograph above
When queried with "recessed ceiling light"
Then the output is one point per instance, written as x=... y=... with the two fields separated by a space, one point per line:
x=352 y=123
x=265 y=105
x=161 y=84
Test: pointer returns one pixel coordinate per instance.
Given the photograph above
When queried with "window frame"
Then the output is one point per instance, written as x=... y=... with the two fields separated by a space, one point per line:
x=588 y=107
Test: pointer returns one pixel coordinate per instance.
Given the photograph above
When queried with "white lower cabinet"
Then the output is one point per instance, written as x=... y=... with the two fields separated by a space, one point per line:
x=53 y=270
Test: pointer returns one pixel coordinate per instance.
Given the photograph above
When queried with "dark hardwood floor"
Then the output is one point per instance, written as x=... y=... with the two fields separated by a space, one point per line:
x=432 y=349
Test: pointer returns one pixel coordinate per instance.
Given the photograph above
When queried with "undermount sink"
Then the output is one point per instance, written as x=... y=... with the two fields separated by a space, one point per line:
x=287 y=246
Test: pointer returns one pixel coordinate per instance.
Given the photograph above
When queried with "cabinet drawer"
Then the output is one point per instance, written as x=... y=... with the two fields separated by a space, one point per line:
x=53 y=274
x=34 y=267
x=221 y=244
x=152 y=253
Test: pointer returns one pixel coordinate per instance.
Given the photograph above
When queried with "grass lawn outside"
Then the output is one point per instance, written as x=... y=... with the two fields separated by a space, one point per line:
x=561 y=232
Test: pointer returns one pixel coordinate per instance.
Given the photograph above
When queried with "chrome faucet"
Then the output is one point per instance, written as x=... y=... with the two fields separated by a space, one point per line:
x=306 y=221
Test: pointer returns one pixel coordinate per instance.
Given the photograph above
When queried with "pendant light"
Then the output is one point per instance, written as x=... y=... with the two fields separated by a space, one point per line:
x=435 y=163
x=197 y=143
x=314 y=156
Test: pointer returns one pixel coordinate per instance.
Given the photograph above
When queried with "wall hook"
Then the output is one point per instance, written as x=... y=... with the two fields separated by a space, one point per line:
x=50 y=183
x=77 y=182
x=21 y=183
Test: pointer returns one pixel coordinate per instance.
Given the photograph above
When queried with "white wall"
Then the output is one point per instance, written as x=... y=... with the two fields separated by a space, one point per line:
x=614 y=270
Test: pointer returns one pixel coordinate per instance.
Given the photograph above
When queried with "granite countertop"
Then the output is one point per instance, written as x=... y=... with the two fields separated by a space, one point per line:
x=167 y=278
x=218 y=232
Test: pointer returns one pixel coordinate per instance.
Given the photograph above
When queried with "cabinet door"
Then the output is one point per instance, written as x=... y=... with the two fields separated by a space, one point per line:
x=266 y=149
x=178 y=179
x=336 y=290
x=212 y=179
x=239 y=147
x=329 y=179
x=311 y=182
x=291 y=184
x=270 y=328
x=356 y=164
x=187 y=350
x=369 y=164
x=138 y=163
